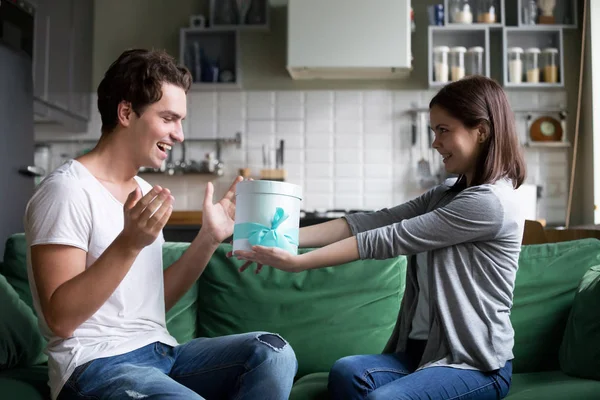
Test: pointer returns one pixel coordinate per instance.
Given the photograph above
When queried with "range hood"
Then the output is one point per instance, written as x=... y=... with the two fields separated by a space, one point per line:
x=349 y=39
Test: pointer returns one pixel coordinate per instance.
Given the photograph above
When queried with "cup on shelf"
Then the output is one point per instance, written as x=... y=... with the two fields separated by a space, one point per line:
x=515 y=64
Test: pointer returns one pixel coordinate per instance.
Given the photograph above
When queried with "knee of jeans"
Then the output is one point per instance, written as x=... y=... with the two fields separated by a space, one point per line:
x=343 y=370
x=279 y=349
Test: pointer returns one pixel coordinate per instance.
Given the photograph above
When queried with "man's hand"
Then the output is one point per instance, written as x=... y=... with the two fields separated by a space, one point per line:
x=145 y=217
x=272 y=256
x=218 y=219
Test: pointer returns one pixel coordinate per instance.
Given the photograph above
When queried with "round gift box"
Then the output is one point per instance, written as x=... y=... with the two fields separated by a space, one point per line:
x=267 y=213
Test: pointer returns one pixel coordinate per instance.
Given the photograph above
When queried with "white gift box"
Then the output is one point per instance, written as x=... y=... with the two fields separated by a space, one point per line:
x=267 y=213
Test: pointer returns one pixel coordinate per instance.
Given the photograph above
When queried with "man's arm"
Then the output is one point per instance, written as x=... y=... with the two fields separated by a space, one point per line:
x=69 y=293
x=217 y=225
x=182 y=274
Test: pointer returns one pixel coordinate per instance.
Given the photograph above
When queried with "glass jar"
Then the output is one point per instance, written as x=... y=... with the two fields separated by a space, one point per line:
x=515 y=64
x=440 y=63
x=486 y=11
x=532 y=66
x=457 y=63
x=475 y=61
x=529 y=12
x=550 y=59
x=460 y=11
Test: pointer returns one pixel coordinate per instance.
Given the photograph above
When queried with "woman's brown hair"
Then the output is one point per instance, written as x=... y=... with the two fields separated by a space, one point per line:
x=478 y=101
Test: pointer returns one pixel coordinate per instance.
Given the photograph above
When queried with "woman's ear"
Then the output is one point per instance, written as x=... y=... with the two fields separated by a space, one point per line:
x=483 y=133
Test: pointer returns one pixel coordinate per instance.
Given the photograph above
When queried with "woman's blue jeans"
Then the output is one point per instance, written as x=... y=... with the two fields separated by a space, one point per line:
x=393 y=377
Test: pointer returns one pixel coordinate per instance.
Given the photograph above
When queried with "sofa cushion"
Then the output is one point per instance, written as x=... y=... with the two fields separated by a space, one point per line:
x=35 y=378
x=18 y=390
x=311 y=387
x=21 y=343
x=181 y=318
x=545 y=286
x=580 y=349
x=14 y=267
x=325 y=313
x=532 y=386
x=552 y=385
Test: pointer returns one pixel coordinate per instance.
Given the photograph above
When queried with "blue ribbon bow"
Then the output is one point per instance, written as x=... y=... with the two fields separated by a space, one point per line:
x=259 y=234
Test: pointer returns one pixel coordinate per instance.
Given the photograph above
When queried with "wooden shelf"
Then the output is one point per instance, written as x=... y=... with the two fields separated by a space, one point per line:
x=560 y=144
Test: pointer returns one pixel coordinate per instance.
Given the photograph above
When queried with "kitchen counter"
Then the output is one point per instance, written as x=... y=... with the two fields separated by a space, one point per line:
x=185 y=218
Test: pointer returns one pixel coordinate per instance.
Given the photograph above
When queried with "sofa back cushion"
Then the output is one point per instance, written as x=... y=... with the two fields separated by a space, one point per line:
x=181 y=318
x=14 y=267
x=546 y=283
x=324 y=314
x=580 y=349
x=21 y=344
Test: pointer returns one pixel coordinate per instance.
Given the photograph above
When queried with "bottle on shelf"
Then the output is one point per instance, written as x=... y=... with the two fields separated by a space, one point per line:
x=440 y=63
x=530 y=12
x=550 y=65
x=486 y=11
x=460 y=11
x=532 y=66
x=515 y=65
x=457 y=63
x=474 y=60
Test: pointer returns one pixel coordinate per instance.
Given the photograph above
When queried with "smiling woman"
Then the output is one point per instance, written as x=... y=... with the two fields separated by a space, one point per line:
x=454 y=336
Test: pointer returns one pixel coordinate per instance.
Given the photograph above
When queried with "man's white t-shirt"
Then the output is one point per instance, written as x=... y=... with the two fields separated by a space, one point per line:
x=71 y=207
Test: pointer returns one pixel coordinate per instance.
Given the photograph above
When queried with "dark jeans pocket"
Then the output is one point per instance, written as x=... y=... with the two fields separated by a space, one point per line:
x=78 y=372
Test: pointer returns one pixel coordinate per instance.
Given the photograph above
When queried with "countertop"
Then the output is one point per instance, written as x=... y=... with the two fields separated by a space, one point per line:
x=185 y=218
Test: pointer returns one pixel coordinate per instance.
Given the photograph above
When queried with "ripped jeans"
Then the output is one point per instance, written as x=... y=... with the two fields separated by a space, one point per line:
x=247 y=366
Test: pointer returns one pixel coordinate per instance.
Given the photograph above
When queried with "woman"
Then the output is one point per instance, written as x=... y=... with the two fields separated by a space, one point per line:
x=453 y=338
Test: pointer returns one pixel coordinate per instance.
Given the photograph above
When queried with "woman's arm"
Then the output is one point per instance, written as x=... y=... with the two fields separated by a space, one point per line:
x=320 y=235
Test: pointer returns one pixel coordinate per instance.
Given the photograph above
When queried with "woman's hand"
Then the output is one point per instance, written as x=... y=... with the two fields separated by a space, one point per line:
x=272 y=256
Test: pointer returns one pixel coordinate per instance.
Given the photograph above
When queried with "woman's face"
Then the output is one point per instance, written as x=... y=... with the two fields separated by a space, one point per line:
x=458 y=145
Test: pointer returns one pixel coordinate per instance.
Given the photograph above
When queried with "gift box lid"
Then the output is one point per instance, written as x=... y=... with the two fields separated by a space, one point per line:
x=269 y=187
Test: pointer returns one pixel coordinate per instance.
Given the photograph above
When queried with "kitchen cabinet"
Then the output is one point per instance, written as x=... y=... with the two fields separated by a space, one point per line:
x=349 y=39
x=62 y=65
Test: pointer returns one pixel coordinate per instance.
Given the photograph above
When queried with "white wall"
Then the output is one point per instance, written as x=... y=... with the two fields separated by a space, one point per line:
x=348 y=149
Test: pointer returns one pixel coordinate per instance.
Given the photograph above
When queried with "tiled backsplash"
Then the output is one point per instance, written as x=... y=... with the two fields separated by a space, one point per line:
x=348 y=149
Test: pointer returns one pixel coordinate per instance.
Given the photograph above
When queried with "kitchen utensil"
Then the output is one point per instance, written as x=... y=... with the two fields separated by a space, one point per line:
x=423 y=166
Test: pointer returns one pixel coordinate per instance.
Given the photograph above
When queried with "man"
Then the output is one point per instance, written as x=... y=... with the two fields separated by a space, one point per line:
x=94 y=232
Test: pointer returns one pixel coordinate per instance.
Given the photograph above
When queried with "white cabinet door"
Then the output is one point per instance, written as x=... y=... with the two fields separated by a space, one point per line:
x=349 y=33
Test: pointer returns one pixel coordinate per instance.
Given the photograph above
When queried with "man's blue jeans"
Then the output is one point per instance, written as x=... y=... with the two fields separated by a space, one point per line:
x=392 y=377
x=248 y=366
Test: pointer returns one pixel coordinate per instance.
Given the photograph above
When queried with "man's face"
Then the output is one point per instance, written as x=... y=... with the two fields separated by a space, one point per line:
x=159 y=126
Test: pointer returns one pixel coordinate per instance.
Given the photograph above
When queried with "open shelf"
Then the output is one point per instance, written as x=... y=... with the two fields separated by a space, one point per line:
x=212 y=56
x=461 y=35
x=549 y=37
x=476 y=22
x=564 y=13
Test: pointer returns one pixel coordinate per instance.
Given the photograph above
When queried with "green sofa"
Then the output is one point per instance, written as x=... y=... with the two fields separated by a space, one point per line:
x=325 y=314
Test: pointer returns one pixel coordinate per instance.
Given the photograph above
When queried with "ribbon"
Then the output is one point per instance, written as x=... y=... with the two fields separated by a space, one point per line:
x=262 y=235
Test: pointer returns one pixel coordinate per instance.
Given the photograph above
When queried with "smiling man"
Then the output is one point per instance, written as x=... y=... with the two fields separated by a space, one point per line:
x=94 y=233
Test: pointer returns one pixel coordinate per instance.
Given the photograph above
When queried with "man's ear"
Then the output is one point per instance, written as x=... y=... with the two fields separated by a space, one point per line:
x=124 y=113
